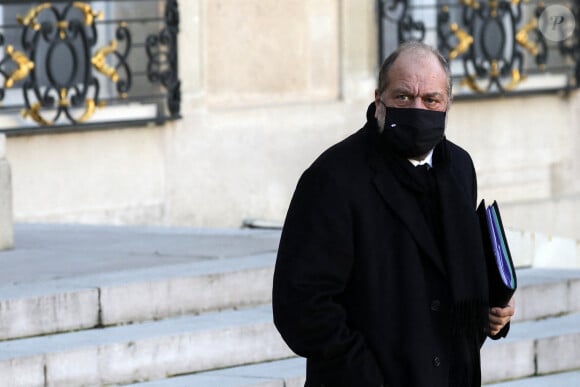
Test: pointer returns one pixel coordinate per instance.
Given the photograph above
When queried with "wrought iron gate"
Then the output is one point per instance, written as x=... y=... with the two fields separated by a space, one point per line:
x=495 y=47
x=72 y=64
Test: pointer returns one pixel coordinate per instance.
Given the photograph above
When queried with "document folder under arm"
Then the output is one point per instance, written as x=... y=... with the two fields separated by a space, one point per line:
x=501 y=272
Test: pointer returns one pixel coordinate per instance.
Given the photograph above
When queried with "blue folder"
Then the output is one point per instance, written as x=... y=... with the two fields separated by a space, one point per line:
x=501 y=272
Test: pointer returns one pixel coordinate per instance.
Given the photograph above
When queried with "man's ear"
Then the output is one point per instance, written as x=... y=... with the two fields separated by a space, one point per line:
x=377 y=101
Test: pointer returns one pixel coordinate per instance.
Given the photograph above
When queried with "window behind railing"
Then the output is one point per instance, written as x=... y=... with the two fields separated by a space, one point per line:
x=494 y=47
x=69 y=65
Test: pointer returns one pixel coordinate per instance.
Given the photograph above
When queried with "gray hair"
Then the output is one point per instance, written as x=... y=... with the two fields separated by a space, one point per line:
x=415 y=46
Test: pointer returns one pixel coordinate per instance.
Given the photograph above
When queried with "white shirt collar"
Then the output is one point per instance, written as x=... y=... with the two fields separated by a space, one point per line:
x=427 y=160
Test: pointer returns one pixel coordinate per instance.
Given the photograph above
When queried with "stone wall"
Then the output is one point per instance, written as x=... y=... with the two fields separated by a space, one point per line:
x=525 y=151
x=267 y=86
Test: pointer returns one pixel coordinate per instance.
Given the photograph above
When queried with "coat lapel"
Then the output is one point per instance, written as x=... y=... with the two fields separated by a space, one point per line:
x=407 y=209
x=461 y=229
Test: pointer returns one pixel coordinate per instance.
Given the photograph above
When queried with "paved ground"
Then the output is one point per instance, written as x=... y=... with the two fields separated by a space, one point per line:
x=49 y=252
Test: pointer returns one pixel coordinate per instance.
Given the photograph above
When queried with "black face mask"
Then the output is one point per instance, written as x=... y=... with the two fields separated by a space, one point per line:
x=413 y=132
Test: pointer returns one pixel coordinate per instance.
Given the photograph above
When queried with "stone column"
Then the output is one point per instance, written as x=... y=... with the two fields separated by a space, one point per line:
x=359 y=49
x=6 y=230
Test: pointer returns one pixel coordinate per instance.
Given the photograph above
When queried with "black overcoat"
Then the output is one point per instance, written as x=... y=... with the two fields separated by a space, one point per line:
x=360 y=289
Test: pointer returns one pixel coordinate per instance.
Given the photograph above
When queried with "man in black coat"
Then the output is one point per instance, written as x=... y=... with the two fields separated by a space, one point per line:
x=380 y=278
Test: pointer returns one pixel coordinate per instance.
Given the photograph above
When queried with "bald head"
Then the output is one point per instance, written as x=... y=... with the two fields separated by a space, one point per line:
x=416 y=50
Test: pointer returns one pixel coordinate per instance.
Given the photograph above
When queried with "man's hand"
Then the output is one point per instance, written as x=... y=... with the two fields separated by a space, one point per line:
x=499 y=317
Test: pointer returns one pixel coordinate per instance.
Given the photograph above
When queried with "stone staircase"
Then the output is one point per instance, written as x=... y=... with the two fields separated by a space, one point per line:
x=545 y=335
x=105 y=306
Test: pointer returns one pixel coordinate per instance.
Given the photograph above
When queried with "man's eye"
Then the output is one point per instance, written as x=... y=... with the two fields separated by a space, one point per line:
x=402 y=98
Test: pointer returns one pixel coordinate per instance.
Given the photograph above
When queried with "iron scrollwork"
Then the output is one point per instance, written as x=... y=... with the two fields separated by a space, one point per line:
x=408 y=28
x=61 y=68
x=64 y=34
x=497 y=43
x=99 y=60
x=162 y=57
x=495 y=62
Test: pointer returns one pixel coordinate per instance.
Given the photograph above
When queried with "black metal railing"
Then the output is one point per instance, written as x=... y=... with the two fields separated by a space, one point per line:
x=70 y=65
x=494 y=47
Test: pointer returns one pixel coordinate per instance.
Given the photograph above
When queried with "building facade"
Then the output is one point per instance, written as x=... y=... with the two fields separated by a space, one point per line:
x=266 y=86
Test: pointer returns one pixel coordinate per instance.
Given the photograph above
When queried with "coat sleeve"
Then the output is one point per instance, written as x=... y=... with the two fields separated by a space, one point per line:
x=313 y=266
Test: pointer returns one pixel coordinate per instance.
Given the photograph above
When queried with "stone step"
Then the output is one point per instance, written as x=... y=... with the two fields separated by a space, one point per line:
x=532 y=348
x=281 y=373
x=127 y=296
x=290 y=373
x=546 y=293
x=564 y=379
x=107 y=299
x=145 y=351
x=151 y=293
